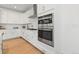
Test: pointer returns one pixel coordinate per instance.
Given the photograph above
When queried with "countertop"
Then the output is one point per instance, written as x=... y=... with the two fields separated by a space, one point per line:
x=2 y=31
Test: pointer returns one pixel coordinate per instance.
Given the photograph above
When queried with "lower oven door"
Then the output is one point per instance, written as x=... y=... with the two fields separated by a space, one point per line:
x=46 y=37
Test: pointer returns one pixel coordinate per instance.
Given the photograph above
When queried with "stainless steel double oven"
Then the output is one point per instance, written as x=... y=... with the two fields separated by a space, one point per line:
x=45 y=29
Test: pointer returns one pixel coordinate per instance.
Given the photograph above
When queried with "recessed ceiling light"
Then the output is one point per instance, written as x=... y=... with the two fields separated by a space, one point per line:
x=14 y=6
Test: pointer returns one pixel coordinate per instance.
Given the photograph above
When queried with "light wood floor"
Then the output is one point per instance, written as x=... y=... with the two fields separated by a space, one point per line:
x=19 y=46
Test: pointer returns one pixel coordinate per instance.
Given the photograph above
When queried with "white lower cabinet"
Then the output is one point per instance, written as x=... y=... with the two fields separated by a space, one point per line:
x=11 y=34
x=30 y=35
x=27 y=34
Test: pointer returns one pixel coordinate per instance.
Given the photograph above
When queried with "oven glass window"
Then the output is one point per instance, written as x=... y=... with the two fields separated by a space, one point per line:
x=47 y=35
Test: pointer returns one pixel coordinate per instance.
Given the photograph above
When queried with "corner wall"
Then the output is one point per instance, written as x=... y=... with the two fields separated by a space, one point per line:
x=69 y=30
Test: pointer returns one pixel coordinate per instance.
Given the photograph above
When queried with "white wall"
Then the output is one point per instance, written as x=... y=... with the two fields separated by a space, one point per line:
x=70 y=28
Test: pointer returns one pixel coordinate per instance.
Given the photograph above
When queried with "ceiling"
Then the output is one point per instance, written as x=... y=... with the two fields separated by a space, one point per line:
x=17 y=7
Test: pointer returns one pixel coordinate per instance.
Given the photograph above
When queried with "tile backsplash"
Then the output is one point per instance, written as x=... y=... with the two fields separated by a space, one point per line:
x=13 y=26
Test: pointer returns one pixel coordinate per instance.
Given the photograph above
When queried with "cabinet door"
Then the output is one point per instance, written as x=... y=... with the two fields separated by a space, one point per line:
x=40 y=8
x=27 y=35
x=49 y=6
x=45 y=7
x=10 y=34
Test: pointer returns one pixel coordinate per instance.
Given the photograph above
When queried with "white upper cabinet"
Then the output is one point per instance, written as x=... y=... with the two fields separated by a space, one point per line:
x=40 y=8
x=49 y=6
x=8 y=16
x=44 y=7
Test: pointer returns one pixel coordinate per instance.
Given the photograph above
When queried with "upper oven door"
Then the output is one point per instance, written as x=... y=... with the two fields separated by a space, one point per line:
x=45 y=19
